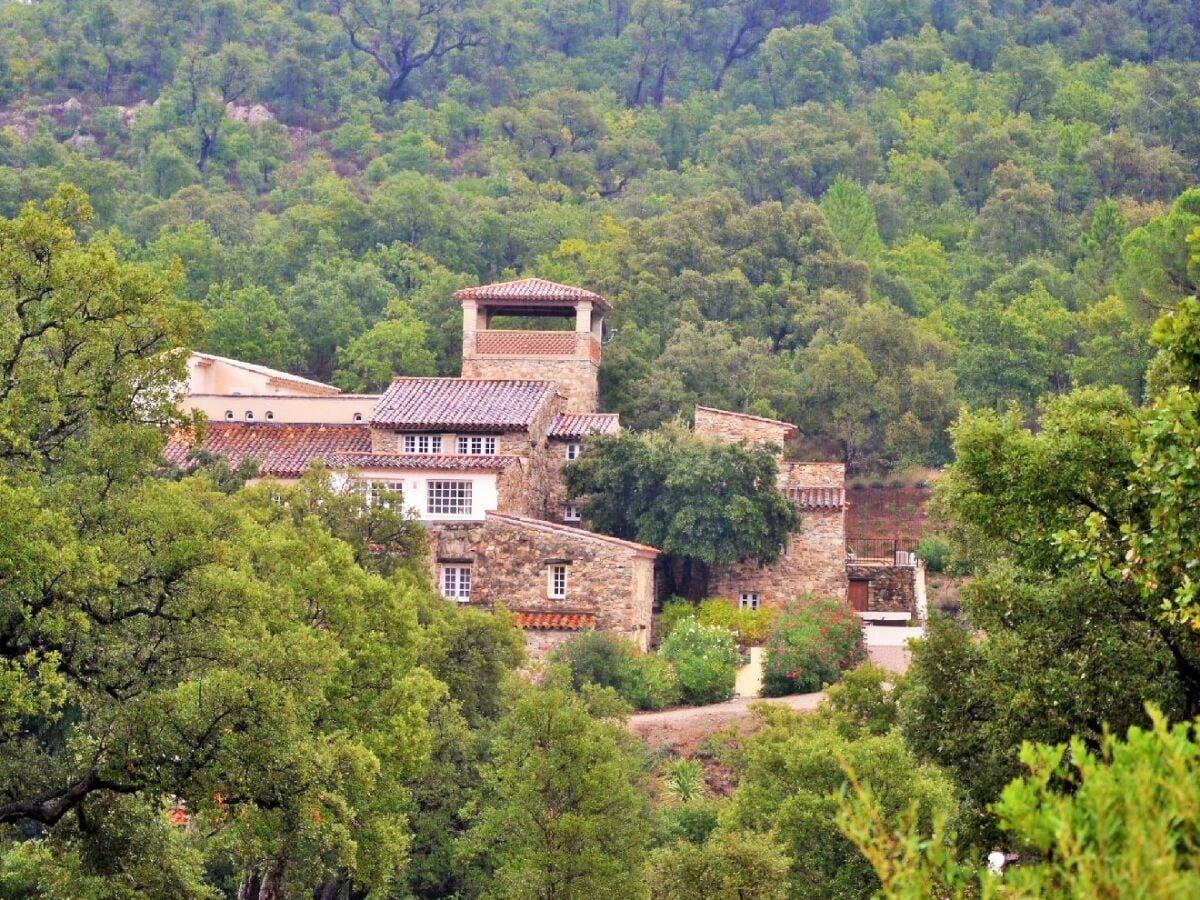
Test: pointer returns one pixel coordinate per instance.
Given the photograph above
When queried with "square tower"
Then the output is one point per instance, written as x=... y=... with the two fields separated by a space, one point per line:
x=568 y=357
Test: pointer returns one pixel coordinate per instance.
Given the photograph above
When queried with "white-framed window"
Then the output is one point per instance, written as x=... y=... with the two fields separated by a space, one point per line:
x=270 y=416
x=556 y=581
x=358 y=417
x=571 y=513
x=456 y=583
x=574 y=450
x=249 y=415
x=422 y=443
x=229 y=415
x=749 y=600
x=476 y=445
x=449 y=498
x=381 y=493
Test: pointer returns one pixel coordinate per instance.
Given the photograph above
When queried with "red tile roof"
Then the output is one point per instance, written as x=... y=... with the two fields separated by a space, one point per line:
x=555 y=621
x=570 y=425
x=531 y=291
x=817 y=498
x=421 y=461
x=566 y=530
x=472 y=404
x=282 y=450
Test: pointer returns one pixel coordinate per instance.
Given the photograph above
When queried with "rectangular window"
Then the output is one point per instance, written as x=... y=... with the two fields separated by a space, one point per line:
x=422 y=443
x=381 y=493
x=476 y=445
x=449 y=498
x=749 y=600
x=456 y=583
x=557 y=582
x=573 y=451
x=571 y=513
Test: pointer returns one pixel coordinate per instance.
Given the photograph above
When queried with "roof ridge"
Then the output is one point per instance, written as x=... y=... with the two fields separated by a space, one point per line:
x=742 y=415
x=574 y=532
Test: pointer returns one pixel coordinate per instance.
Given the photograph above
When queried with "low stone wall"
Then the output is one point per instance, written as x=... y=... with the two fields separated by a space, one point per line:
x=890 y=588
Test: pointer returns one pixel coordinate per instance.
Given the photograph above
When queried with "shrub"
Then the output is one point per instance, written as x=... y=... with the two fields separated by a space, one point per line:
x=594 y=657
x=752 y=626
x=600 y=658
x=718 y=611
x=936 y=553
x=705 y=659
x=673 y=611
x=814 y=641
x=652 y=684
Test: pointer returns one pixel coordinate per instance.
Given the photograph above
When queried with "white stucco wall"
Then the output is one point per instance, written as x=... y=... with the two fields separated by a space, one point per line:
x=415 y=486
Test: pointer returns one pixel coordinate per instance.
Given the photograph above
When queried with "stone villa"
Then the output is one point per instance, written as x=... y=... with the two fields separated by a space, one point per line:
x=479 y=460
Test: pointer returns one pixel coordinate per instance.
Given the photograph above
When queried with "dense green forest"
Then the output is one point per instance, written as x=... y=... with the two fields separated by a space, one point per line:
x=858 y=215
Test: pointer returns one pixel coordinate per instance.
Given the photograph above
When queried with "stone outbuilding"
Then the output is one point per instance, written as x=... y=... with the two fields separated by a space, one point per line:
x=558 y=580
x=813 y=560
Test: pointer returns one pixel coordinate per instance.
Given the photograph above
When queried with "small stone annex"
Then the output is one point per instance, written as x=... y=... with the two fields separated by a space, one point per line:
x=479 y=460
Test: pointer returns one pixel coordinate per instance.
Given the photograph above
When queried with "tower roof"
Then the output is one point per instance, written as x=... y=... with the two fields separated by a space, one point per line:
x=532 y=292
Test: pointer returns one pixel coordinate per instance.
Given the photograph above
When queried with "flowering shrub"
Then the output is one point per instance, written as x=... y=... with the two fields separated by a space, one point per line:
x=814 y=641
x=674 y=611
x=705 y=659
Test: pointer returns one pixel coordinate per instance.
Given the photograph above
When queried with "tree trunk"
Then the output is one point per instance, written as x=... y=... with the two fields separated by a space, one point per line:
x=248 y=889
x=272 y=883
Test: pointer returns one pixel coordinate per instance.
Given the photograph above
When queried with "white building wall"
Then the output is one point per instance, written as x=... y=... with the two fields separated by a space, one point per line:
x=415 y=487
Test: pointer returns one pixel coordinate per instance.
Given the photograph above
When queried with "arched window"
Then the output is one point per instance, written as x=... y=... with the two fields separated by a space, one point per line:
x=249 y=415
x=270 y=416
x=358 y=417
x=229 y=415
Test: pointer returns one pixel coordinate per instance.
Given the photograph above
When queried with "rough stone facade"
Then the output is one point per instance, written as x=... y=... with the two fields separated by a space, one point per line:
x=510 y=557
x=732 y=427
x=812 y=563
x=577 y=379
x=889 y=588
x=811 y=475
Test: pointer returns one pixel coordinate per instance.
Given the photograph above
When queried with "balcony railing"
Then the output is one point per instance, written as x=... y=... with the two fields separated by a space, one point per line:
x=893 y=551
x=528 y=343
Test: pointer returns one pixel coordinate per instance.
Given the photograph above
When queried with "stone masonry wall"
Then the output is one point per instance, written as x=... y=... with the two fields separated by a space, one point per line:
x=891 y=588
x=733 y=427
x=510 y=562
x=812 y=563
x=577 y=379
x=812 y=475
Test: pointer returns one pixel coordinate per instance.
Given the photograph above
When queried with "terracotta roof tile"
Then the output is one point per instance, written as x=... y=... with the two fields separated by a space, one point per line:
x=531 y=290
x=421 y=461
x=552 y=621
x=570 y=425
x=422 y=404
x=282 y=450
x=568 y=531
x=817 y=498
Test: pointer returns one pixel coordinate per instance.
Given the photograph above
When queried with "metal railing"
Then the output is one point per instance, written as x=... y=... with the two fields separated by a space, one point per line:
x=897 y=550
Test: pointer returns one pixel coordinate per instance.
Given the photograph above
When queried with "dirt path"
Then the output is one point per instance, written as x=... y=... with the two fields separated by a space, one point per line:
x=685 y=727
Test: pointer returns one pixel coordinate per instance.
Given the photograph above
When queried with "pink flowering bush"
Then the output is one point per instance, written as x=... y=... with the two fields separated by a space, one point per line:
x=814 y=641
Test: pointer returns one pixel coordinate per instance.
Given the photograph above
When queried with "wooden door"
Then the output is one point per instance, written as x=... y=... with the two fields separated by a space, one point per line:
x=860 y=591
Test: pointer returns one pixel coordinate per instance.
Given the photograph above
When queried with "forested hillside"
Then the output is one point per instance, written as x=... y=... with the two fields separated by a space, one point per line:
x=853 y=214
